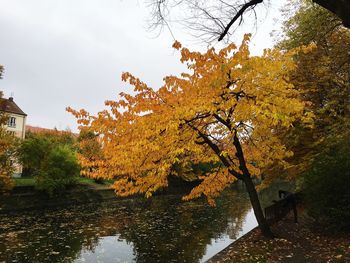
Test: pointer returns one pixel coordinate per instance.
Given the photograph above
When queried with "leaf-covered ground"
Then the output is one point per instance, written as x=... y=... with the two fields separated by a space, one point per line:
x=295 y=242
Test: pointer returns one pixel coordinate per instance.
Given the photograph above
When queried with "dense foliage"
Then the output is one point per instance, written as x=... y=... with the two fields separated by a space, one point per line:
x=8 y=153
x=51 y=159
x=327 y=186
x=322 y=76
x=225 y=110
x=60 y=169
x=89 y=149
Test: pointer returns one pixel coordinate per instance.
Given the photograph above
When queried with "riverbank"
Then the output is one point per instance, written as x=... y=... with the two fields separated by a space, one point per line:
x=301 y=242
x=24 y=196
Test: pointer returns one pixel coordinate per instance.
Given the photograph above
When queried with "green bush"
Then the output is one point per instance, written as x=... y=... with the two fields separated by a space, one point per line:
x=327 y=187
x=34 y=151
x=51 y=160
x=59 y=170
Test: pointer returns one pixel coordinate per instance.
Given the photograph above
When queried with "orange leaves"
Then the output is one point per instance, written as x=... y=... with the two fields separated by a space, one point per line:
x=8 y=150
x=177 y=45
x=212 y=185
x=193 y=118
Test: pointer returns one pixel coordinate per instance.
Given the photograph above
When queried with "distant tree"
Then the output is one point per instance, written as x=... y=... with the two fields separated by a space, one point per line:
x=59 y=170
x=8 y=154
x=56 y=136
x=307 y=23
x=215 y=19
x=51 y=159
x=89 y=152
x=322 y=76
x=8 y=150
x=225 y=111
x=33 y=152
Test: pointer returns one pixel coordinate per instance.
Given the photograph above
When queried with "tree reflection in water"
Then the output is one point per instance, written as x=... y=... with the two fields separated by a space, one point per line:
x=160 y=229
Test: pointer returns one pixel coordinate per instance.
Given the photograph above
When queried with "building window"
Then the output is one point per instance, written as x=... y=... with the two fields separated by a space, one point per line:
x=12 y=122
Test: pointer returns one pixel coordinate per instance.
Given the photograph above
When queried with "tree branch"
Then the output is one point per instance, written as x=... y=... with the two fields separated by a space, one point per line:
x=217 y=151
x=250 y=4
x=340 y=8
x=240 y=156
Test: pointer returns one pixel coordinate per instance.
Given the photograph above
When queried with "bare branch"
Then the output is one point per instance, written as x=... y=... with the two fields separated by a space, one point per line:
x=239 y=14
x=214 y=19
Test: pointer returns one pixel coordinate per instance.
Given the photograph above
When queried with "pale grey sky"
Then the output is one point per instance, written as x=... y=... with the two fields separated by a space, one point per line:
x=72 y=53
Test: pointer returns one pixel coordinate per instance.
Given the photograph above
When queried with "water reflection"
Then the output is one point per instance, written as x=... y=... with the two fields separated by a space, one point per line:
x=161 y=229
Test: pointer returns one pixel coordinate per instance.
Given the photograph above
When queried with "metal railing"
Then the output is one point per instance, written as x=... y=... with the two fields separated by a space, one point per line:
x=279 y=209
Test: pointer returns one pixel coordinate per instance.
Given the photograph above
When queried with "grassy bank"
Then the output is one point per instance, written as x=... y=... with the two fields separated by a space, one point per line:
x=30 y=181
x=24 y=181
x=24 y=196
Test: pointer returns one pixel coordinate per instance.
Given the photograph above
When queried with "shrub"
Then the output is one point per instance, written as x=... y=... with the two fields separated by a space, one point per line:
x=51 y=160
x=327 y=187
x=59 y=170
x=34 y=151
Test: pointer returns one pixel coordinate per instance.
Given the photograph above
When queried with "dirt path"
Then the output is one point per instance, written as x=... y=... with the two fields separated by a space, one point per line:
x=295 y=243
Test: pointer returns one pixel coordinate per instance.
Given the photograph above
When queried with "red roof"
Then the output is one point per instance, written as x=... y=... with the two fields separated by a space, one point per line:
x=34 y=129
x=8 y=105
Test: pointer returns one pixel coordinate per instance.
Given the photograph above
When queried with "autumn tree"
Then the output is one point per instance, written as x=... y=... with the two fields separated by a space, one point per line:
x=307 y=23
x=8 y=150
x=322 y=77
x=89 y=149
x=217 y=19
x=8 y=153
x=224 y=110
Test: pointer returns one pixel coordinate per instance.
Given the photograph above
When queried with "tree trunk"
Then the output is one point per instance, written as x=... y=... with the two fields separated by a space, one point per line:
x=340 y=8
x=254 y=199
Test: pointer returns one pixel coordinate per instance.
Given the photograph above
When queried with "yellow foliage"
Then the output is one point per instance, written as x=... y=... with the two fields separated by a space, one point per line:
x=8 y=144
x=225 y=109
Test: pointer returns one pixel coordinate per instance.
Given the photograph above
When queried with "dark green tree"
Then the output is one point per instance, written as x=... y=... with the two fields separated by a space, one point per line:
x=327 y=186
x=322 y=76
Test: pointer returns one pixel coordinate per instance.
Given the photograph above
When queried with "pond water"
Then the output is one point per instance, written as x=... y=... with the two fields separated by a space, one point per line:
x=159 y=229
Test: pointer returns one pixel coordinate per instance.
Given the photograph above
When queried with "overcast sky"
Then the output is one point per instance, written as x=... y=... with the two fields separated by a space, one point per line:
x=60 y=53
